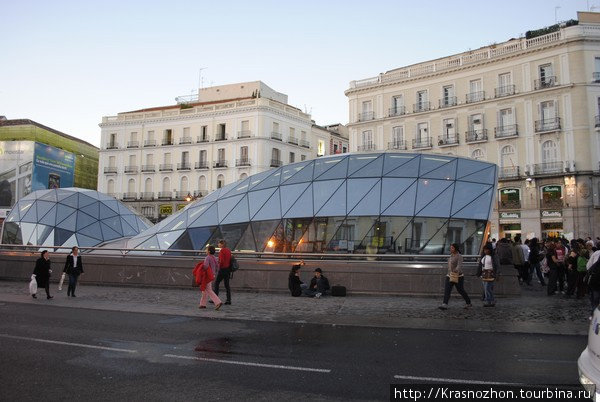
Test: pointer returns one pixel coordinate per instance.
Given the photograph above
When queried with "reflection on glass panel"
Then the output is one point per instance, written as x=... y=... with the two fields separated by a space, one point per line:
x=431 y=162
x=487 y=176
x=26 y=231
x=165 y=240
x=428 y=189
x=227 y=204
x=362 y=228
x=72 y=201
x=440 y=205
x=239 y=213
x=93 y=230
x=467 y=233
x=303 y=176
x=199 y=237
x=290 y=170
x=208 y=218
x=365 y=165
x=358 y=189
x=83 y=220
x=288 y=235
x=246 y=242
x=271 y=181
x=400 y=229
x=183 y=243
x=318 y=235
x=43 y=233
x=406 y=167
x=370 y=203
x=479 y=209
x=270 y=209
x=256 y=199
x=336 y=205
x=324 y=164
x=231 y=233
x=240 y=188
x=467 y=167
x=256 y=179
x=323 y=190
x=446 y=172
x=263 y=232
x=466 y=193
x=398 y=197
x=84 y=241
x=43 y=207
x=303 y=207
x=11 y=233
x=337 y=171
x=30 y=215
x=290 y=194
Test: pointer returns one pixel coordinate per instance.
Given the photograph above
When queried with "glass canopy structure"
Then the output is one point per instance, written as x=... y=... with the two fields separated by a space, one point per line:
x=388 y=202
x=70 y=217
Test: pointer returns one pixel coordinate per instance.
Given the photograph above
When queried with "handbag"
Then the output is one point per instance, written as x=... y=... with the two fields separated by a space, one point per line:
x=454 y=277
x=62 y=280
x=487 y=275
x=33 y=285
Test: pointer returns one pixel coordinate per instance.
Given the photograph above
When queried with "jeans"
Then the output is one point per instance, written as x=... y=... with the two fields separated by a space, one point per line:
x=72 y=284
x=594 y=300
x=460 y=287
x=552 y=281
x=488 y=288
x=223 y=274
x=538 y=271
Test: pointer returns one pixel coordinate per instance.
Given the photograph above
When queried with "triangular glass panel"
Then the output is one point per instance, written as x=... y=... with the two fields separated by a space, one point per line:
x=466 y=193
x=290 y=170
x=468 y=166
x=369 y=204
x=200 y=236
x=90 y=193
x=83 y=220
x=487 y=176
x=336 y=205
x=431 y=162
x=216 y=236
x=48 y=196
x=246 y=242
x=182 y=243
x=43 y=207
x=166 y=240
x=114 y=223
x=270 y=209
x=439 y=207
x=256 y=199
x=304 y=206
x=132 y=221
x=93 y=209
x=85 y=241
x=61 y=194
x=43 y=232
x=323 y=165
x=478 y=209
x=408 y=169
x=50 y=217
x=401 y=205
x=303 y=176
x=61 y=236
x=114 y=205
x=338 y=171
x=226 y=205
x=27 y=230
x=24 y=207
x=240 y=188
x=444 y=172
x=135 y=241
x=69 y=223
x=263 y=232
x=393 y=189
x=428 y=189
x=256 y=179
x=196 y=210
x=93 y=230
x=225 y=190
x=394 y=160
x=271 y=181
x=208 y=218
x=128 y=230
x=178 y=221
x=323 y=190
x=68 y=244
x=125 y=209
x=290 y=194
x=108 y=233
x=62 y=212
x=357 y=189
x=84 y=200
x=49 y=239
x=30 y=215
x=151 y=243
x=365 y=165
x=72 y=201
x=105 y=212
x=239 y=213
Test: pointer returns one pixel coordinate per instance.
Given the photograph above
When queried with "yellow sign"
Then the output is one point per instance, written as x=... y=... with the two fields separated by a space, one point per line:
x=165 y=209
x=181 y=206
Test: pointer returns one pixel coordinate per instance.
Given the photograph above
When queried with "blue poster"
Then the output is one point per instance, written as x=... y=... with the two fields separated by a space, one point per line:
x=52 y=167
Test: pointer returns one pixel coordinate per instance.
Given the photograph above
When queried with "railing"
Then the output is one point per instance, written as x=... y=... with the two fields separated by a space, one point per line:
x=182 y=195
x=185 y=140
x=304 y=143
x=201 y=165
x=150 y=143
x=421 y=107
x=506 y=131
x=275 y=163
x=396 y=111
x=184 y=166
x=293 y=140
x=545 y=82
x=547 y=125
x=275 y=135
x=131 y=169
x=398 y=144
x=201 y=139
x=200 y=193
x=366 y=147
x=111 y=169
x=148 y=168
x=242 y=162
x=447 y=140
x=133 y=144
x=508 y=172
x=597 y=121
x=448 y=101
x=476 y=135
x=475 y=96
x=552 y=203
x=421 y=143
x=506 y=90
x=129 y=196
x=147 y=196
x=220 y=164
x=548 y=167
x=366 y=116
x=244 y=134
x=167 y=141
x=221 y=137
x=165 y=195
x=165 y=167
x=596 y=77
x=509 y=204
x=112 y=145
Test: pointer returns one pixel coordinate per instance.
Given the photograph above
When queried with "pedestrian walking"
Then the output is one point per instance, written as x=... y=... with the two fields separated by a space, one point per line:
x=42 y=272
x=73 y=268
x=518 y=261
x=207 y=276
x=535 y=258
x=488 y=270
x=224 y=273
x=455 y=277
x=561 y=255
x=553 y=272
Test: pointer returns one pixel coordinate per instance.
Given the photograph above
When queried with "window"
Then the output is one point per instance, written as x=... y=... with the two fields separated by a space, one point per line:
x=344 y=149
x=275 y=155
x=243 y=176
x=132 y=160
x=167 y=158
x=185 y=158
x=320 y=148
x=148 y=185
x=505 y=118
x=149 y=159
x=449 y=129
x=184 y=184
x=150 y=135
x=292 y=132
x=422 y=132
x=131 y=186
x=168 y=137
x=547 y=111
x=478 y=154
x=506 y=156
x=475 y=86
x=275 y=127
x=222 y=129
x=292 y=157
x=367 y=107
x=204 y=133
x=549 y=152
x=220 y=181
x=302 y=157
x=546 y=75
x=245 y=125
x=448 y=98
x=112 y=161
x=397 y=105
x=186 y=132
x=422 y=101
x=398 y=135
x=221 y=155
x=303 y=135
x=202 y=157
x=110 y=186
x=367 y=140
x=133 y=136
x=202 y=183
x=596 y=74
x=113 y=141
x=244 y=153
x=476 y=93
x=476 y=124
x=166 y=185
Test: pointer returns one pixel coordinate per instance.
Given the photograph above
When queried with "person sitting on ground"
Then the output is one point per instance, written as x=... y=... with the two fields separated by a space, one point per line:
x=319 y=285
x=294 y=282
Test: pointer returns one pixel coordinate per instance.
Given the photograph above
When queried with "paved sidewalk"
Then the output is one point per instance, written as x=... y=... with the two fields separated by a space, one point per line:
x=533 y=312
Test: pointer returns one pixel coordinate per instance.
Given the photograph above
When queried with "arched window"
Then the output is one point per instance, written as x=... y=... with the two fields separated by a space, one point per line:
x=220 y=181
x=478 y=154
x=549 y=151
x=131 y=186
x=243 y=176
x=202 y=183
x=507 y=156
x=166 y=185
x=184 y=184
x=148 y=185
x=110 y=187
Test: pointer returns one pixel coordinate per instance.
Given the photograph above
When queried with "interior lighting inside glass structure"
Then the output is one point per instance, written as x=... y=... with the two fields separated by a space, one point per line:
x=401 y=203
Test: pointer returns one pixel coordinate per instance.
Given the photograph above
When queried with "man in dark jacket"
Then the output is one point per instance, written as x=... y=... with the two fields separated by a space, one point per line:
x=319 y=285
x=73 y=268
x=505 y=255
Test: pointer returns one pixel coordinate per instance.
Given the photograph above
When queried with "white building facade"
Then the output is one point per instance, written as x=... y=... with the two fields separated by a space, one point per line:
x=530 y=105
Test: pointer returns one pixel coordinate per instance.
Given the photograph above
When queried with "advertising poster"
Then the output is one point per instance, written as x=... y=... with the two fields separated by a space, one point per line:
x=52 y=168
x=16 y=166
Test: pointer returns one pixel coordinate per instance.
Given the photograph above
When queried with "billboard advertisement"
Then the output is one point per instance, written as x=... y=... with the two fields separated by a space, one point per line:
x=52 y=167
x=16 y=167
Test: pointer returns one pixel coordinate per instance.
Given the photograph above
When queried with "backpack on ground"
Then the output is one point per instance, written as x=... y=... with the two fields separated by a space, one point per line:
x=581 y=264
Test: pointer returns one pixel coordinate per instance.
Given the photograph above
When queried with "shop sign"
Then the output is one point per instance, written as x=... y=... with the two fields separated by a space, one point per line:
x=551 y=214
x=551 y=189
x=165 y=209
x=508 y=191
x=510 y=215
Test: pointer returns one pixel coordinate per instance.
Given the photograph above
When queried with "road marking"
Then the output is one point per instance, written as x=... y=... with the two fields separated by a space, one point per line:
x=79 y=345
x=548 y=361
x=276 y=366
x=454 y=381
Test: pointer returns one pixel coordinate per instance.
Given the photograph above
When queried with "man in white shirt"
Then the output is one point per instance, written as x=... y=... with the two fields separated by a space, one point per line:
x=594 y=257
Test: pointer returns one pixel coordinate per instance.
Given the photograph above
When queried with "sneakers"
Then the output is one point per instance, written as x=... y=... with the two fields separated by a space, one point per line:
x=444 y=306
x=318 y=295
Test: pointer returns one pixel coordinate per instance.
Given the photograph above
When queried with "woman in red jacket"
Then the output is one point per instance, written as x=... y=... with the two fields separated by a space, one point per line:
x=207 y=276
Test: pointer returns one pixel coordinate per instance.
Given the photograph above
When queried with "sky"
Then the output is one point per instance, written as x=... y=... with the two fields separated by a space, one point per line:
x=66 y=64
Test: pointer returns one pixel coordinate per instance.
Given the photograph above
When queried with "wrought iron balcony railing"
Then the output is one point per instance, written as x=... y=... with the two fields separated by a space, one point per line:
x=506 y=131
x=546 y=82
x=397 y=144
x=366 y=147
x=420 y=143
x=275 y=135
x=184 y=166
x=509 y=204
x=447 y=140
x=201 y=139
x=421 y=107
x=244 y=134
x=150 y=143
x=167 y=141
x=185 y=140
x=304 y=143
x=201 y=165
x=165 y=167
x=509 y=172
x=220 y=164
x=112 y=145
x=242 y=162
x=276 y=163
x=475 y=96
x=131 y=169
x=448 y=101
x=133 y=144
x=221 y=137
x=165 y=195
x=147 y=196
x=111 y=169
x=506 y=90
x=293 y=140
x=148 y=168
x=547 y=125
x=548 y=167
x=366 y=116
x=476 y=135
x=396 y=111
x=129 y=196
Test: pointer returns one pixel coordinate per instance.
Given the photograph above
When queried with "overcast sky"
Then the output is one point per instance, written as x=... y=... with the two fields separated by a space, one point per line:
x=66 y=64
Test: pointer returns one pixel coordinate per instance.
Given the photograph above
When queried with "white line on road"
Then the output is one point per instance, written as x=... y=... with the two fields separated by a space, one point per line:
x=548 y=361
x=276 y=366
x=453 y=380
x=79 y=345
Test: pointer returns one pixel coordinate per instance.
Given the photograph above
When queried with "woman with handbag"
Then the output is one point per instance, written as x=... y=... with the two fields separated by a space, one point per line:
x=42 y=273
x=207 y=276
x=455 y=277
x=488 y=271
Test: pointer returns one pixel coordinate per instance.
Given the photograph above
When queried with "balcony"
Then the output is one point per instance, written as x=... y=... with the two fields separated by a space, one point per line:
x=509 y=172
x=476 y=136
x=111 y=170
x=396 y=111
x=202 y=165
x=133 y=144
x=200 y=193
x=165 y=195
x=597 y=121
x=447 y=140
x=167 y=141
x=421 y=107
x=398 y=144
x=421 y=143
x=547 y=125
x=149 y=143
x=552 y=203
x=112 y=145
x=133 y=169
x=147 y=196
x=366 y=116
x=220 y=164
x=548 y=168
x=506 y=131
x=148 y=168
x=292 y=140
x=366 y=147
x=475 y=97
x=244 y=134
x=276 y=163
x=242 y=162
x=275 y=135
x=183 y=195
x=509 y=204
x=165 y=167
x=448 y=102
x=185 y=140
x=129 y=196
x=546 y=82
x=596 y=77
x=184 y=166
x=507 y=90
x=201 y=139
x=305 y=144
x=221 y=137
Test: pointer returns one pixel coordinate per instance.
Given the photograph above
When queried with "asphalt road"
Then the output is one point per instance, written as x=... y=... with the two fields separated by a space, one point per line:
x=58 y=353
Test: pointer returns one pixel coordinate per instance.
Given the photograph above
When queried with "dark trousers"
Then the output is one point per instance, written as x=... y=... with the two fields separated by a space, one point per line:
x=538 y=271
x=47 y=288
x=460 y=286
x=581 y=285
x=552 y=281
x=562 y=273
x=223 y=275
x=594 y=299
x=571 y=281
x=72 y=284
x=523 y=270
